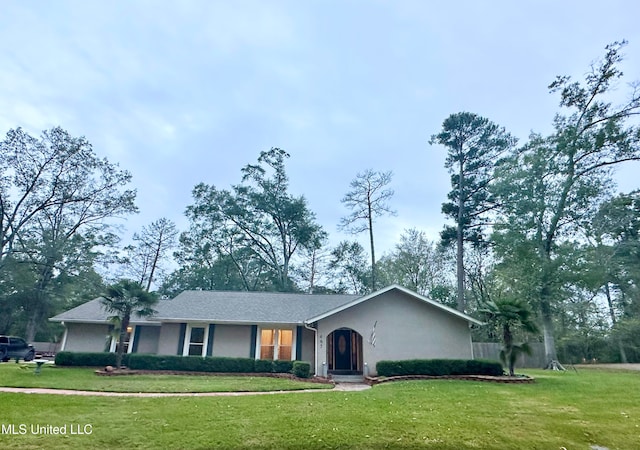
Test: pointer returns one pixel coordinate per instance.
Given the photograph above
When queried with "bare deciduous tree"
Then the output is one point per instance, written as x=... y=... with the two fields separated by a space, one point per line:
x=367 y=199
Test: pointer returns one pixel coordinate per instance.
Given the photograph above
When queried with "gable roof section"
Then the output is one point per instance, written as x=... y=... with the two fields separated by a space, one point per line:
x=415 y=295
x=222 y=307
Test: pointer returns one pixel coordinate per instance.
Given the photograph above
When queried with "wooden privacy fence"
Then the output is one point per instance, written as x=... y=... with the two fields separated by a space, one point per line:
x=491 y=351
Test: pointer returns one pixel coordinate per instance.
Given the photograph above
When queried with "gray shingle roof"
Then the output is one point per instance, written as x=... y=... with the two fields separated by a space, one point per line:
x=248 y=307
x=91 y=312
x=224 y=306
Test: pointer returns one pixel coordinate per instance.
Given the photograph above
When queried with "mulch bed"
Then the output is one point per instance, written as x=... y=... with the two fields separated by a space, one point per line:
x=503 y=379
x=521 y=379
x=124 y=371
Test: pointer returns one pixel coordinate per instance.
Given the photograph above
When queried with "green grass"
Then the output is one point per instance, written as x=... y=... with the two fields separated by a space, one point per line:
x=571 y=410
x=22 y=375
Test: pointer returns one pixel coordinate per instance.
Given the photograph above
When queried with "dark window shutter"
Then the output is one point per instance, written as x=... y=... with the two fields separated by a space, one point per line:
x=212 y=328
x=299 y=332
x=254 y=336
x=183 y=331
x=136 y=338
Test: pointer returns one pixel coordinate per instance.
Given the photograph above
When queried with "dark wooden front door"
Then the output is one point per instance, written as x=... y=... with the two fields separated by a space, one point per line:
x=342 y=349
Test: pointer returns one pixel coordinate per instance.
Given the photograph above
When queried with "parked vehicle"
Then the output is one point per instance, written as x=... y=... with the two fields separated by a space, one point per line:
x=15 y=347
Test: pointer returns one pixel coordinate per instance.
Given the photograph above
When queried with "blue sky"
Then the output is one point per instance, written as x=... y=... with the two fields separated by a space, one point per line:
x=185 y=92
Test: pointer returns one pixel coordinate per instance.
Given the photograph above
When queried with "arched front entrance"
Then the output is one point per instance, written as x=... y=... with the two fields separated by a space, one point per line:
x=344 y=352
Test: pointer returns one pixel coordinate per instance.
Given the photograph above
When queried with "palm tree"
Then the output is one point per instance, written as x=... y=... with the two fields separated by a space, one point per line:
x=511 y=315
x=125 y=298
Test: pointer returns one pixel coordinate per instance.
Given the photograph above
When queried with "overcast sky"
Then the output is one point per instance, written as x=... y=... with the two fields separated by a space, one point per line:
x=182 y=92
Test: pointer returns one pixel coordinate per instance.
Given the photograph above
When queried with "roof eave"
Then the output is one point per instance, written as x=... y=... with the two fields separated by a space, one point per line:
x=102 y=321
x=228 y=322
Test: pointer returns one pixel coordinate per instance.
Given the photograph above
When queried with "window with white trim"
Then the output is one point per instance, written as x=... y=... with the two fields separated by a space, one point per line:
x=128 y=340
x=276 y=344
x=195 y=340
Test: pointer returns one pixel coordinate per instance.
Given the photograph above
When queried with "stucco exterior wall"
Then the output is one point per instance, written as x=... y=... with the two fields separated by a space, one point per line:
x=308 y=348
x=147 y=339
x=169 y=338
x=232 y=340
x=407 y=328
x=86 y=337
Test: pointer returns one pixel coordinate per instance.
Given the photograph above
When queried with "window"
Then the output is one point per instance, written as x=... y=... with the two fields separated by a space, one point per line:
x=195 y=340
x=267 y=344
x=285 y=342
x=17 y=342
x=276 y=344
x=115 y=340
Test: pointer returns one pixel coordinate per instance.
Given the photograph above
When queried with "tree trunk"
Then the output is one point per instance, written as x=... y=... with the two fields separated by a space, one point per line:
x=612 y=313
x=549 y=340
x=32 y=324
x=460 y=272
x=154 y=263
x=373 y=253
x=284 y=277
x=545 y=299
x=512 y=365
x=124 y=324
x=460 y=241
x=551 y=356
x=507 y=338
x=312 y=275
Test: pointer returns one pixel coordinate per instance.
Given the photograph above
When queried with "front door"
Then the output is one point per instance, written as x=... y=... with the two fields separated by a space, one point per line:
x=342 y=348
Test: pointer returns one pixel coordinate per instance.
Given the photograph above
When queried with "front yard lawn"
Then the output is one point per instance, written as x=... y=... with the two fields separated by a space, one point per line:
x=561 y=410
x=80 y=378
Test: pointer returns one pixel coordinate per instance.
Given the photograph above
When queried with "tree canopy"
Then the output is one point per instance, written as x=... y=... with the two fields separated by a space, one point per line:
x=56 y=196
x=257 y=224
x=473 y=146
x=553 y=184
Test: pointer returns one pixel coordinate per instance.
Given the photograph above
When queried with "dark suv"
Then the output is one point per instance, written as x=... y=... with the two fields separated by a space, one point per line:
x=15 y=347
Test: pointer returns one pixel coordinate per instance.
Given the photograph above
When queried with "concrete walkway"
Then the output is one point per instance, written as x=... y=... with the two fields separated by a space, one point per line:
x=349 y=387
